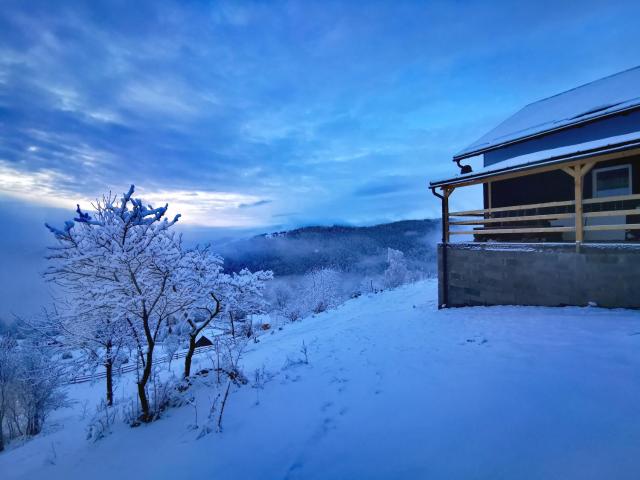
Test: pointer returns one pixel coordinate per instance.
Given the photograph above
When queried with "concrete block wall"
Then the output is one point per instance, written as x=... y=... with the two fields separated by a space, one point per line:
x=540 y=274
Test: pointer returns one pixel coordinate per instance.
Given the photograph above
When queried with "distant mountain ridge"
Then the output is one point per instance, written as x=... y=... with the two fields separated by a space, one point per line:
x=350 y=249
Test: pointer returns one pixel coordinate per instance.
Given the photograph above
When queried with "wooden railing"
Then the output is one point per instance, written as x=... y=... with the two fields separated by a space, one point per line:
x=499 y=221
x=132 y=367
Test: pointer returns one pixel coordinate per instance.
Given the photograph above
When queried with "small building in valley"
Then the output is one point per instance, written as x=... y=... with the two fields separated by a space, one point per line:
x=560 y=219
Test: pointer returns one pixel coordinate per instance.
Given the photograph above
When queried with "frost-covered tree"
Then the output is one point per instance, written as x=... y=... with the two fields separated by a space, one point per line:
x=243 y=295
x=8 y=379
x=285 y=300
x=88 y=328
x=171 y=343
x=322 y=289
x=214 y=293
x=39 y=388
x=205 y=305
x=124 y=259
x=31 y=380
x=397 y=272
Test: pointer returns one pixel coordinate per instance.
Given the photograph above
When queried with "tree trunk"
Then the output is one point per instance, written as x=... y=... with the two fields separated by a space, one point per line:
x=33 y=425
x=109 y=368
x=187 y=359
x=224 y=402
x=109 y=374
x=233 y=330
x=142 y=386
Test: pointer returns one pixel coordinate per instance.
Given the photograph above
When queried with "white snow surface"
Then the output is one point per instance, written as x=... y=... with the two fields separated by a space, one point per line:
x=606 y=95
x=394 y=388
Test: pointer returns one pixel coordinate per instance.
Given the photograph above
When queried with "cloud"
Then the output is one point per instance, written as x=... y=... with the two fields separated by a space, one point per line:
x=197 y=207
x=206 y=208
x=259 y=203
x=386 y=186
x=41 y=187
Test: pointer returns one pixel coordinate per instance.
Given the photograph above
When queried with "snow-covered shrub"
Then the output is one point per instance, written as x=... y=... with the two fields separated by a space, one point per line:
x=286 y=301
x=171 y=344
x=321 y=289
x=371 y=284
x=8 y=380
x=243 y=295
x=40 y=385
x=31 y=381
x=163 y=393
x=397 y=272
x=102 y=421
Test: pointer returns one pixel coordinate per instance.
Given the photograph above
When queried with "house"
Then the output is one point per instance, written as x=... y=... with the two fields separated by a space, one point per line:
x=560 y=220
x=203 y=341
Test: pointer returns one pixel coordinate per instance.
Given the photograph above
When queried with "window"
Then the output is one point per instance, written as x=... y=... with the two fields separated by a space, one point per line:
x=612 y=181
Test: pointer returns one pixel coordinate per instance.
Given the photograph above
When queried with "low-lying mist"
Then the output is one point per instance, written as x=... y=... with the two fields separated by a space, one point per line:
x=356 y=250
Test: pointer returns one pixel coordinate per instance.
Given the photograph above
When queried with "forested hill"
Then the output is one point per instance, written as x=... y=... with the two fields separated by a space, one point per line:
x=351 y=249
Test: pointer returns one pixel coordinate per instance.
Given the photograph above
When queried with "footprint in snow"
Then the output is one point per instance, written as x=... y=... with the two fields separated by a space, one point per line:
x=293 y=469
x=473 y=340
x=325 y=427
x=326 y=406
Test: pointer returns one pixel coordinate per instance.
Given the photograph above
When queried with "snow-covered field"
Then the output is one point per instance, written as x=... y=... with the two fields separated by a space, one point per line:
x=394 y=388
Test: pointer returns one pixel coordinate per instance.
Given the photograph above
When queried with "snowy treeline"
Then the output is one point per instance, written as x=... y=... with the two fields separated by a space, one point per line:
x=322 y=288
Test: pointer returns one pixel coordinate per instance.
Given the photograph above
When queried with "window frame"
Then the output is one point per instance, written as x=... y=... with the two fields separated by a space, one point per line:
x=594 y=177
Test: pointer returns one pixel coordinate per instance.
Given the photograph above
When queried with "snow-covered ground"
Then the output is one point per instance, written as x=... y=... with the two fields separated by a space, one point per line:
x=394 y=388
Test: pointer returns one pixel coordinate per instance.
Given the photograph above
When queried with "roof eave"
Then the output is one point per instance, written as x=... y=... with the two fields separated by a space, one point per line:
x=559 y=159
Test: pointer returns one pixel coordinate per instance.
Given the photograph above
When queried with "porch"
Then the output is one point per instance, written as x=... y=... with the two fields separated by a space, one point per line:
x=562 y=232
x=575 y=201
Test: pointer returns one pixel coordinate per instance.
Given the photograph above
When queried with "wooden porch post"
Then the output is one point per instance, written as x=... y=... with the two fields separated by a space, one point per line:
x=578 y=172
x=446 y=191
x=577 y=179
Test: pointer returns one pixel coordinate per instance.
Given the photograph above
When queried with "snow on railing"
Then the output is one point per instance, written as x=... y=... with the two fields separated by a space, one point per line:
x=133 y=366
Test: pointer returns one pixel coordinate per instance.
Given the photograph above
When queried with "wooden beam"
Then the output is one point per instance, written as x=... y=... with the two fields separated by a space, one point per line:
x=569 y=171
x=626 y=226
x=586 y=168
x=617 y=198
x=512 y=230
x=588 y=201
x=529 y=206
x=612 y=213
x=549 y=216
x=524 y=218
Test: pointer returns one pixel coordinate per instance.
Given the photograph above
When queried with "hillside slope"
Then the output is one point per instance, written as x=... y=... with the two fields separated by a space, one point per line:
x=394 y=388
x=351 y=249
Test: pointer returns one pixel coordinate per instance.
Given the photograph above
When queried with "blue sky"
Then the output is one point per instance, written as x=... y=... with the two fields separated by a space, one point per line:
x=266 y=115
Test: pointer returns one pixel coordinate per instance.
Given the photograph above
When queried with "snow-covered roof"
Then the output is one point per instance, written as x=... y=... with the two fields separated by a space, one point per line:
x=600 y=98
x=553 y=155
